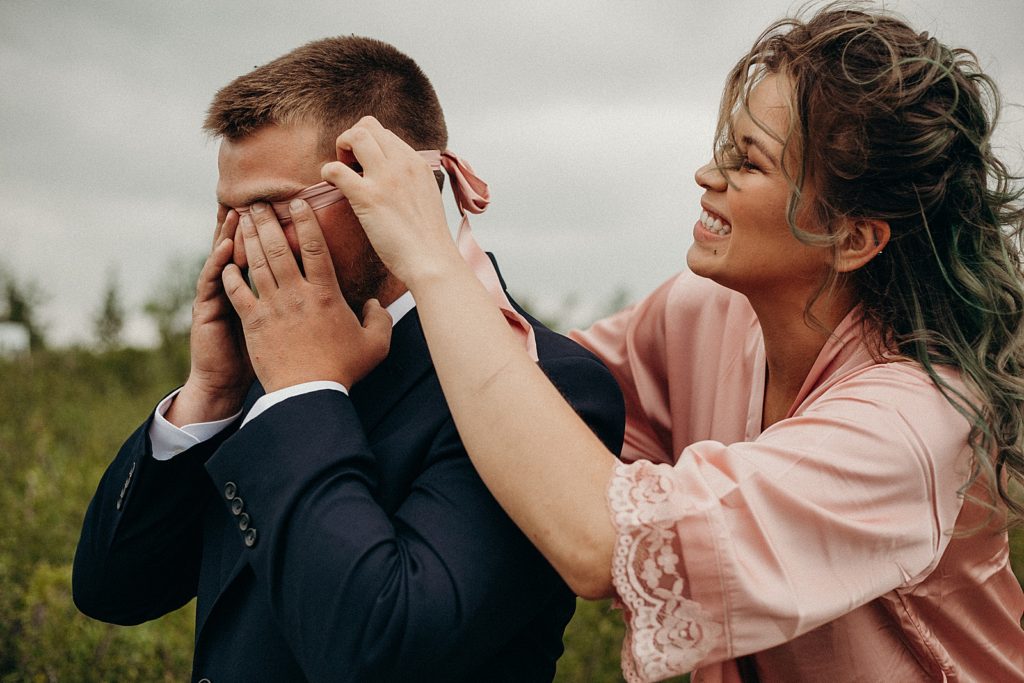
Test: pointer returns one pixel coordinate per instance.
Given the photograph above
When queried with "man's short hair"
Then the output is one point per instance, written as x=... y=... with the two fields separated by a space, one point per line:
x=332 y=83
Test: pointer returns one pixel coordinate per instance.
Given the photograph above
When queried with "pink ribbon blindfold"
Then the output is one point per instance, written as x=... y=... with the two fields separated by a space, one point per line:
x=471 y=196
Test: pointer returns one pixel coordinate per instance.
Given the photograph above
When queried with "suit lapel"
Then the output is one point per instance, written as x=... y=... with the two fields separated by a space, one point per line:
x=373 y=397
x=376 y=394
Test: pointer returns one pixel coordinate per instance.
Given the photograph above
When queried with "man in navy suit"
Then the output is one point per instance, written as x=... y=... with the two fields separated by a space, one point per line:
x=329 y=521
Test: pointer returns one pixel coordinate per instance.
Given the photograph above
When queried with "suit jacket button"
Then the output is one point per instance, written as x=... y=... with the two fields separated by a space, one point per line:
x=204 y=680
x=243 y=521
x=230 y=489
x=250 y=537
x=237 y=506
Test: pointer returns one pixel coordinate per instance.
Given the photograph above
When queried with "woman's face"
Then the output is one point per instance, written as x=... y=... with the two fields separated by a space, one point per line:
x=742 y=239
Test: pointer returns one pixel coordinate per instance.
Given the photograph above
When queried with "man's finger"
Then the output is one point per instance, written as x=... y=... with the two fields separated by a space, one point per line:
x=230 y=225
x=259 y=270
x=209 y=285
x=239 y=294
x=377 y=326
x=218 y=231
x=316 y=259
x=274 y=244
x=375 y=316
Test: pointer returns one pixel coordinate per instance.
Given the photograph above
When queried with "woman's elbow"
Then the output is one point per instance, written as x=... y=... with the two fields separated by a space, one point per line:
x=589 y=573
x=591 y=585
x=594 y=588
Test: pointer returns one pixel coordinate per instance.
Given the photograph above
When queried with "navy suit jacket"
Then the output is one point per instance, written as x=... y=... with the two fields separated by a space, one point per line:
x=339 y=538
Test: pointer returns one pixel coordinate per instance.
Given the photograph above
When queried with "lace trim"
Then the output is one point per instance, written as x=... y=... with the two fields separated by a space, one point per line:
x=666 y=633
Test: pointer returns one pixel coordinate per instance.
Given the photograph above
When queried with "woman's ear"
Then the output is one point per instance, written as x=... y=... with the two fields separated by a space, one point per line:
x=866 y=240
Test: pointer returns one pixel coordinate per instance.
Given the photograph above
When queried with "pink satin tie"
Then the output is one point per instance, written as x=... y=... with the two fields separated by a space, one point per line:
x=471 y=196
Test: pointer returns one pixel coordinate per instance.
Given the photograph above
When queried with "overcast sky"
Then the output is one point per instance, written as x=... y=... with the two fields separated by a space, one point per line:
x=587 y=119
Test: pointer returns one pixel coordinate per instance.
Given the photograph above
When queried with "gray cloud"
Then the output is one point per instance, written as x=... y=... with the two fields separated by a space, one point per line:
x=587 y=120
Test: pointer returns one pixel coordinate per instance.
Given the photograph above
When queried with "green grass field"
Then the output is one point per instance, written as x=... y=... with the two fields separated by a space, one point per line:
x=63 y=414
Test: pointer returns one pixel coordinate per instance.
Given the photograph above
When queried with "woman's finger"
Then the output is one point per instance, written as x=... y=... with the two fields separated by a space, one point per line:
x=342 y=177
x=362 y=141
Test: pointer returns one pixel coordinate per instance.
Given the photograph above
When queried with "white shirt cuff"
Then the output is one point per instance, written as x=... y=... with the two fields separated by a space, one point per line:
x=273 y=398
x=168 y=440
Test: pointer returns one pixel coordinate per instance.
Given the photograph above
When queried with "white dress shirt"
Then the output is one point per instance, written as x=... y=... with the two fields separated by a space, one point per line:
x=168 y=440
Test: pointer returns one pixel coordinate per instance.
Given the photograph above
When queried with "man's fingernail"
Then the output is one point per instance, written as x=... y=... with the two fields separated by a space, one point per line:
x=246 y=221
x=296 y=205
x=258 y=207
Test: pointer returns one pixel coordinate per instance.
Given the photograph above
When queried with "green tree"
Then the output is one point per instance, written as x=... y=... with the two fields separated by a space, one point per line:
x=22 y=300
x=108 y=323
x=170 y=308
x=170 y=305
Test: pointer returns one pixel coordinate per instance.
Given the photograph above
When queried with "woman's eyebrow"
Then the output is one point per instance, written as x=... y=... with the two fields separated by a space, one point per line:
x=751 y=141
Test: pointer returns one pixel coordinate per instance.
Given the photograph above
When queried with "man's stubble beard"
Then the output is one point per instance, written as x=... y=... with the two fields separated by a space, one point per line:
x=374 y=277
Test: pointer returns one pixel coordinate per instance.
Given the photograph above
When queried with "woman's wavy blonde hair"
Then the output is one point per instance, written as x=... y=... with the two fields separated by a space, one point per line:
x=890 y=124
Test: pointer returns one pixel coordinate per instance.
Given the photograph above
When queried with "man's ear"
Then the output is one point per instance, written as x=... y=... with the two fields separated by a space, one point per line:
x=865 y=240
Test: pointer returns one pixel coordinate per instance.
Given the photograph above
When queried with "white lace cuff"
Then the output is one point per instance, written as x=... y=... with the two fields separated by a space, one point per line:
x=666 y=632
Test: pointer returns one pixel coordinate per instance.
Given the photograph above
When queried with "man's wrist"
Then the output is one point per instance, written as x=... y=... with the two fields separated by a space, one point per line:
x=193 y=405
x=270 y=399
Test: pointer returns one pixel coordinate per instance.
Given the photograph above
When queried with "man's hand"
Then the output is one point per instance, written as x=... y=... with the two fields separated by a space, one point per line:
x=299 y=328
x=220 y=373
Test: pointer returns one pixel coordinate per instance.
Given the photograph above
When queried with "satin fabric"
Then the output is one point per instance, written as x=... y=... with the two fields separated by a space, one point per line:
x=471 y=196
x=834 y=545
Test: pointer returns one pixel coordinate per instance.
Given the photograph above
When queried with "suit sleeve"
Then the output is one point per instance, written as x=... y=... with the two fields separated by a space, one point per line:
x=430 y=591
x=139 y=552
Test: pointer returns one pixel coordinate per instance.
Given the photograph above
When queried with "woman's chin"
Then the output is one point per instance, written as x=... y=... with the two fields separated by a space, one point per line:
x=703 y=259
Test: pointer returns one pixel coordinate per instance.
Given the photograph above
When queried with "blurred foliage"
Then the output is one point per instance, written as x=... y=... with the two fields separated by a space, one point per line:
x=108 y=322
x=21 y=302
x=63 y=414
x=593 y=641
x=170 y=306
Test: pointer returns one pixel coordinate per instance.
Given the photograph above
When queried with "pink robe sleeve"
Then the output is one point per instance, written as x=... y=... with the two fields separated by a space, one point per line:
x=632 y=345
x=739 y=548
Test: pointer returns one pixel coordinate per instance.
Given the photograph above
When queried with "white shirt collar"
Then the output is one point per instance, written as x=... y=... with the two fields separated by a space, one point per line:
x=400 y=306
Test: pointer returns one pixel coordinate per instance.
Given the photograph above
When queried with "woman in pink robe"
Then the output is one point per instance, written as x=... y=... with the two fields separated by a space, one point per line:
x=824 y=417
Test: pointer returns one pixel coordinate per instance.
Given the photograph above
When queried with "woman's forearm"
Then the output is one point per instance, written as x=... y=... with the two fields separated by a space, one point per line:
x=539 y=459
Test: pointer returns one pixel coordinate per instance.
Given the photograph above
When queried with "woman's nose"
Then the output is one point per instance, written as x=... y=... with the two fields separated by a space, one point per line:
x=710 y=177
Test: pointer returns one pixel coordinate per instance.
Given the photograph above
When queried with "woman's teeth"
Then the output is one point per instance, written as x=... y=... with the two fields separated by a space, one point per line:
x=714 y=224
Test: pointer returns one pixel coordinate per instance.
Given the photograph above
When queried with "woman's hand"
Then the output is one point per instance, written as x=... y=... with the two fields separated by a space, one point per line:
x=396 y=201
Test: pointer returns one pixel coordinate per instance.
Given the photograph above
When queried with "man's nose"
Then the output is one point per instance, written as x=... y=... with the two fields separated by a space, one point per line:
x=710 y=177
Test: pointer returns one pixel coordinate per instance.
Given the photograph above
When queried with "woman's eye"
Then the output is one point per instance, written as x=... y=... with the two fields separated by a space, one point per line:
x=732 y=159
x=747 y=165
